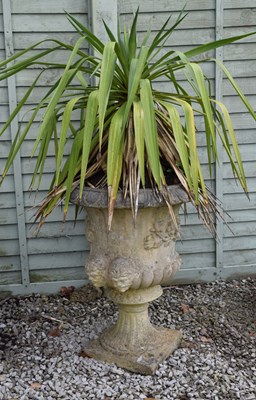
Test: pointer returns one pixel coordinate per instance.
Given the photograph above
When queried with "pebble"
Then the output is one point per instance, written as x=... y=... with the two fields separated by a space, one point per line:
x=216 y=361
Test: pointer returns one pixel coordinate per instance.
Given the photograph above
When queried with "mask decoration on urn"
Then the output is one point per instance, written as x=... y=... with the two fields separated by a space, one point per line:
x=131 y=261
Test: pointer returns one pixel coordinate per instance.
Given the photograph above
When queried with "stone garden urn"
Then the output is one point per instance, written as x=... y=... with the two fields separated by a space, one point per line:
x=131 y=262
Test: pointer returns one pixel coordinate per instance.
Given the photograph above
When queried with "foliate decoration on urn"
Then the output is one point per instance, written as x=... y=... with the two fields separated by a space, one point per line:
x=161 y=234
x=126 y=273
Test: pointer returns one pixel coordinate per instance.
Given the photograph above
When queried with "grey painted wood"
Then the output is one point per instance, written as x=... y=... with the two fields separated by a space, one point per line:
x=7 y=278
x=45 y=287
x=233 y=4
x=239 y=271
x=58 y=245
x=151 y=6
x=240 y=17
x=24 y=23
x=9 y=247
x=197 y=275
x=53 y=275
x=8 y=233
x=245 y=216
x=102 y=10
x=66 y=246
x=30 y=38
x=219 y=166
x=239 y=250
x=18 y=187
x=9 y=263
x=63 y=260
x=156 y=21
x=239 y=258
x=48 y=7
x=238 y=30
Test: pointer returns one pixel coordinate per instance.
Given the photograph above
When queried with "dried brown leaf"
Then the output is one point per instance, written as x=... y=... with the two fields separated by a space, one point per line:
x=206 y=339
x=55 y=332
x=185 y=308
x=35 y=385
x=188 y=345
x=150 y=398
x=67 y=291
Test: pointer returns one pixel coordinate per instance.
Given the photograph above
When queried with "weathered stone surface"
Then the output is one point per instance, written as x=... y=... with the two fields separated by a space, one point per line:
x=131 y=261
x=98 y=198
x=165 y=342
x=131 y=256
x=133 y=342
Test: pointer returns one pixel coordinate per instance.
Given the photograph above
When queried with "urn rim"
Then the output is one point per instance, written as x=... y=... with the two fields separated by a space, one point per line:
x=98 y=198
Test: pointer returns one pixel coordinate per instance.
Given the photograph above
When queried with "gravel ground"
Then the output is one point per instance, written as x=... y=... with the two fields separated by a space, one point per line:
x=41 y=339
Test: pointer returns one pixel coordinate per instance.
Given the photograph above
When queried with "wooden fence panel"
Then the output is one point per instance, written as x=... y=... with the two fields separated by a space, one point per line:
x=55 y=257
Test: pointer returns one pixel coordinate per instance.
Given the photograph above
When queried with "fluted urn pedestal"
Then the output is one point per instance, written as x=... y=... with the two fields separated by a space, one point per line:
x=131 y=262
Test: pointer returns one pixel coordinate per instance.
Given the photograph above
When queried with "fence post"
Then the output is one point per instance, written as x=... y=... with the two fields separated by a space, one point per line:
x=103 y=10
x=20 y=208
x=219 y=166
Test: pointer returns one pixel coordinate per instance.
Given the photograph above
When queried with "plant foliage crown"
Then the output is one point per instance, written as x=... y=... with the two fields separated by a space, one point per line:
x=130 y=134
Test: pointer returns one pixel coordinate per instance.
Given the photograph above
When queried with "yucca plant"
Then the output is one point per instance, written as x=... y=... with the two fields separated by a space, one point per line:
x=130 y=134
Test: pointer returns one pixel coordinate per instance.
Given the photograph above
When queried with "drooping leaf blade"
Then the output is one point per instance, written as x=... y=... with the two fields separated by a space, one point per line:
x=135 y=75
x=237 y=89
x=89 y=127
x=63 y=134
x=114 y=141
x=150 y=128
x=192 y=144
x=106 y=77
x=204 y=48
x=179 y=140
x=72 y=169
x=241 y=175
x=67 y=76
x=139 y=131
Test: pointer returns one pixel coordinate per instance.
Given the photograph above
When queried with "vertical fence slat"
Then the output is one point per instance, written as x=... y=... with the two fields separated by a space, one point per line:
x=103 y=10
x=219 y=165
x=11 y=84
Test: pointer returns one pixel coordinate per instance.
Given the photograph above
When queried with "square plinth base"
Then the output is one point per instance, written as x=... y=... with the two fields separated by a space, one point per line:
x=164 y=344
